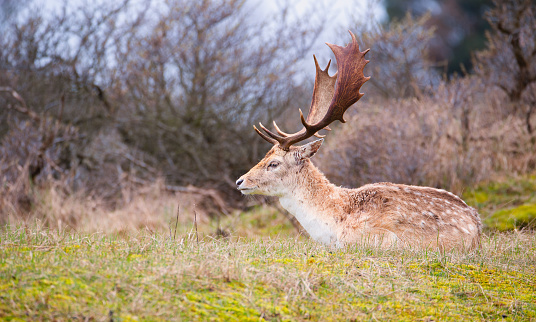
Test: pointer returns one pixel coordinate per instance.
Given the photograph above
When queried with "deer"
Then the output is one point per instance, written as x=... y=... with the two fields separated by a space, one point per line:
x=384 y=214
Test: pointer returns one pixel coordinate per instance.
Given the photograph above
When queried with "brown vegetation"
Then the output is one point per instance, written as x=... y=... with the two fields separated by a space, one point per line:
x=509 y=62
x=98 y=102
x=95 y=98
x=441 y=133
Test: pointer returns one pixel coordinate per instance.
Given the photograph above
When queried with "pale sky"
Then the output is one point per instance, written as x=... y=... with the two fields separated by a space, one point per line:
x=342 y=13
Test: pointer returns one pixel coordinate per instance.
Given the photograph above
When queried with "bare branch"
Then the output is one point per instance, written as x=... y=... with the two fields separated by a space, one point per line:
x=22 y=108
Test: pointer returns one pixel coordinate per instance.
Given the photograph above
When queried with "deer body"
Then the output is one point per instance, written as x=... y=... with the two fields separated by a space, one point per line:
x=383 y=214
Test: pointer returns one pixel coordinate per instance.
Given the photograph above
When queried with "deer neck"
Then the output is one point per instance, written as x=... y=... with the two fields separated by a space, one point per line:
x=312 y=200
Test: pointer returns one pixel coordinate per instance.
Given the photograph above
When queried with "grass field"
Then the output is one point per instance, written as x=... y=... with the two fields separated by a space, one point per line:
x=264 y=270
x=51 y=275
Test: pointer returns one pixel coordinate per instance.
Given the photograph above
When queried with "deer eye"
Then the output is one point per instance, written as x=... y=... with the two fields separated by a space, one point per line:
x=273 y=165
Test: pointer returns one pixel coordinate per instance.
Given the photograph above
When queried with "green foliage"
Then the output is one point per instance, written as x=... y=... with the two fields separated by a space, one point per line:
x=259 y=221
x=507 y=204
x=523 y=216
x=489 y=197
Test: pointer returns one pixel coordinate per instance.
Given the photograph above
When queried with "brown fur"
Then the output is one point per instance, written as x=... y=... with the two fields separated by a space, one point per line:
x=384 y=213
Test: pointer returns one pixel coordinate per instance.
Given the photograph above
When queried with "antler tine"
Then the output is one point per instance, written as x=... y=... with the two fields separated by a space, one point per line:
x=270 y=133
x=303 y=121
x=332 y=95
x=278 y=130
x=266 y=137
x=318 y=66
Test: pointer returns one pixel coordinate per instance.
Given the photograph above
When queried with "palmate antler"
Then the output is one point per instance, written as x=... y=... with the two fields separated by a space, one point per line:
x=332 y=95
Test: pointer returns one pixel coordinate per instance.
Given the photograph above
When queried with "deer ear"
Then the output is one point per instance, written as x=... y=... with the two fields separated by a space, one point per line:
x=308 y=150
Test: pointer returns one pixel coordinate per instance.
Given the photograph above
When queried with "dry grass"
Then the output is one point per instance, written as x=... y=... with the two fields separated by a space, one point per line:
x=153 y=208
x=150 y=207
x=453 y=139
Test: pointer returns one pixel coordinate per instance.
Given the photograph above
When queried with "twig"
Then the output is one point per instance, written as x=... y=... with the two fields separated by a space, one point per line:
x=139 y=163
x=62 y=106
x=195 y=224
x=211 y=193
x=176 y=222
x=22 y=108
x=206 y=192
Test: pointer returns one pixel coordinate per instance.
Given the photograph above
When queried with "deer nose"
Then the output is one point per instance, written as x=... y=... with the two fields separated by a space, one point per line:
x=239 y=182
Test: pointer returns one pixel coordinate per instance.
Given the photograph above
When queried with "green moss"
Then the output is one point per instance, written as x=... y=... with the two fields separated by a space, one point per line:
x=518 y=195
x=513 y=218
x=258 y=221
x=496 y=194
x=480 y=197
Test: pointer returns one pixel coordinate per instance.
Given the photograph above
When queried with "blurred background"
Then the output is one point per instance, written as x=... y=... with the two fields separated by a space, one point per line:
x=114 y=113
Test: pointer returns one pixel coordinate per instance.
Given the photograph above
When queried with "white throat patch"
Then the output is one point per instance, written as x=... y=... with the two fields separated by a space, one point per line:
x=317 y=225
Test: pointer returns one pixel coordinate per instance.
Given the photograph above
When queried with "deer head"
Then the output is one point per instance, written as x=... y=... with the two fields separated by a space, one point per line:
x=332 y=96
x=279 y=171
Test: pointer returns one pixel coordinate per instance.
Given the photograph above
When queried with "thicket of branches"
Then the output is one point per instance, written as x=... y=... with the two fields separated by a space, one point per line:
x=102 y=94
x=101 y=97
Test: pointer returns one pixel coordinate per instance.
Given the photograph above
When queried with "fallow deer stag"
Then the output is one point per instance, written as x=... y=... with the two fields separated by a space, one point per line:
x=383 y=213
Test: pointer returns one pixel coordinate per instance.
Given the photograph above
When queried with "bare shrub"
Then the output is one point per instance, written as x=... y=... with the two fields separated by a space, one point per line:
x=120 y=94
x=48 y=56
x=395 y=141
x=52 y=71
x=446 y=133
x=509 y=61
x=449 y=140
x=400 y=54
x=41 y=151
x=150 y=207
x=196 y=81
